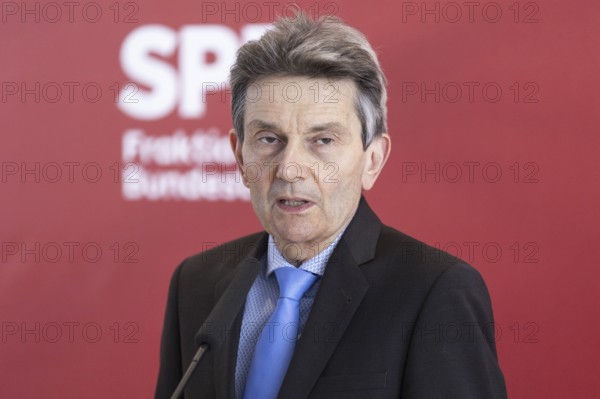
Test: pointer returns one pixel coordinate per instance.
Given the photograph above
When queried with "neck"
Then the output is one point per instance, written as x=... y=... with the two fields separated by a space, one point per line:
x=297 y=253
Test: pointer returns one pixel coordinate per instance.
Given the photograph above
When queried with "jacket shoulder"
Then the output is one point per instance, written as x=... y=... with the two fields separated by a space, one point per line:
x=408 y=259
x=218 y=259
x=414 y=252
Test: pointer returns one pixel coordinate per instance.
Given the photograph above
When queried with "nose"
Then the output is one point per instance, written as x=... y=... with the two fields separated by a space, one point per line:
x=292 y=164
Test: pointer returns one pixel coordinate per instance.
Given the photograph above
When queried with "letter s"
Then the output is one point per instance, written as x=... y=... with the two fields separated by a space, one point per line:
x=139 y=65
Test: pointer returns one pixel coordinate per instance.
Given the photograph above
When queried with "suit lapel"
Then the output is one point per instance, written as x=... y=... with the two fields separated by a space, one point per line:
x=342 y=289
x=225 y=358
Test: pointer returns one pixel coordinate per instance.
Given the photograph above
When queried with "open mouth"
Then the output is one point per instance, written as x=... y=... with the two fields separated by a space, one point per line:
x=292 y=202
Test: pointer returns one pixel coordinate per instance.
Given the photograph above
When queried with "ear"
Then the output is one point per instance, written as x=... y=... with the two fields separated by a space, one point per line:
x=236 y=147
x=376 y=155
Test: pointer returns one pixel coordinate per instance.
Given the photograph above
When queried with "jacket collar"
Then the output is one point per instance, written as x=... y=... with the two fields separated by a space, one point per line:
x=342 y=289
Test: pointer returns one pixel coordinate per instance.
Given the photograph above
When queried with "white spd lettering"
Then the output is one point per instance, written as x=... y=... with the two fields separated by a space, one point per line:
x=164 y=88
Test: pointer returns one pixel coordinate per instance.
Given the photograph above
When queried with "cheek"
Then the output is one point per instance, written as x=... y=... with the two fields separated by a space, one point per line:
x=342 y=193
x=251 y=177
x=260 y=205
x=257 y=175
x=348 y=173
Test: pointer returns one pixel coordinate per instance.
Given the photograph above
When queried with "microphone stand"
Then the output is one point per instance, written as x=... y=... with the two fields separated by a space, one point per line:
x=190 y=370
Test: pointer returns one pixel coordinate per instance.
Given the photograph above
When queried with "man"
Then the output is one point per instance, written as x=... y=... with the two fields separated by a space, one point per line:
x=379 y=314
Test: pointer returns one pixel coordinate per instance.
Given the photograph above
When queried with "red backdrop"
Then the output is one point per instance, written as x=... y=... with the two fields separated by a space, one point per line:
x=115 y=166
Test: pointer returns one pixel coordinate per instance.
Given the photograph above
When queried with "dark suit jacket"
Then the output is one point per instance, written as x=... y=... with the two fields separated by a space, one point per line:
x=393 y=318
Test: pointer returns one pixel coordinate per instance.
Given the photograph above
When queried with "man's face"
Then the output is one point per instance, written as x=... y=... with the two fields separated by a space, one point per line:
x=303 y=160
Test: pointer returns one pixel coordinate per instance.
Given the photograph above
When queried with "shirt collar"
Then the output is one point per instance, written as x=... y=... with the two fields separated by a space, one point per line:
x=315 y=265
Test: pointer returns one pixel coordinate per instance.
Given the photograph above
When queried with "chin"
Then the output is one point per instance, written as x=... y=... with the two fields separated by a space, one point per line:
x=296 y=234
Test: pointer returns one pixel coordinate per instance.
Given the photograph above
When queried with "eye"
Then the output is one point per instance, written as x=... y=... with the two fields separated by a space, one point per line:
x=325 y=140
x=268 y=139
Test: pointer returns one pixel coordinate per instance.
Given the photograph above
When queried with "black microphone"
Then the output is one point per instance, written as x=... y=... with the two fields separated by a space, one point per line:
x=221 y=319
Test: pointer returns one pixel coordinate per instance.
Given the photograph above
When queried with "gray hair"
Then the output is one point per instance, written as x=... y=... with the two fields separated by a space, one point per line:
x=325 y=48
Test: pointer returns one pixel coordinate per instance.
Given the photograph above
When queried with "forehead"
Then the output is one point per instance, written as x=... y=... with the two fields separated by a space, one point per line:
x=281 y=99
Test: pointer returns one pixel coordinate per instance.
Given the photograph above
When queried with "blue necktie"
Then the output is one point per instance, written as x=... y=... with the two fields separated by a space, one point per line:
x=275 y=346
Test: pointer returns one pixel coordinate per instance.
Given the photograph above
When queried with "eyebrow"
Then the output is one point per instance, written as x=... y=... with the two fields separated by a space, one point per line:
x=263 y=125
x=334 y=126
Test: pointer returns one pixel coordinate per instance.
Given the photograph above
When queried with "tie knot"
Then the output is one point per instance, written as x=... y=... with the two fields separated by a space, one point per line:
x=293 y=283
